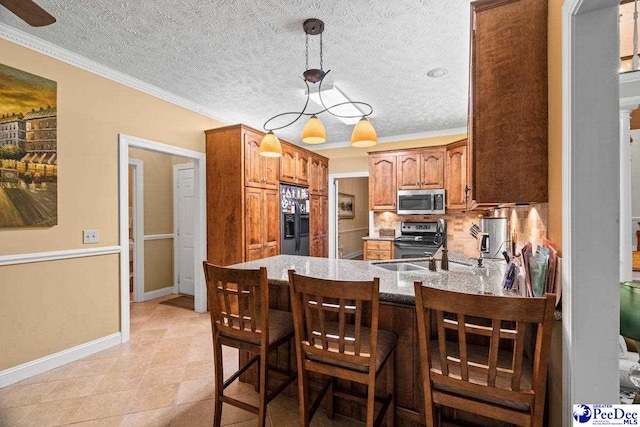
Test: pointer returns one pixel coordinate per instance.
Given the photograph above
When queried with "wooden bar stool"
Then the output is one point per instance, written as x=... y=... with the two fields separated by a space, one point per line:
x=331 y=339
x=487 y=380
x=238 y=303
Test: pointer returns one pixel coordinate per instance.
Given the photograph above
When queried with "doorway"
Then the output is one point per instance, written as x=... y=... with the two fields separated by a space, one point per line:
x=198 y=220
x=360 y=206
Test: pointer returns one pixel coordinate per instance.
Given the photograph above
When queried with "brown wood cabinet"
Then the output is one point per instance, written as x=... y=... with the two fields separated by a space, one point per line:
x=294 y=165
x=378 y=249
x=260 y=171
x=423 y=169
x=319 y=176
x=243 y=195
x=508 y=116
x=455 y=175
x=262 y=223
x=319 y=226
x=382 y=182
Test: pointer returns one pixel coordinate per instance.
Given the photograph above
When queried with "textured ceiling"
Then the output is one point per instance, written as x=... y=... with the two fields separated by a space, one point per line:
x=243 y=59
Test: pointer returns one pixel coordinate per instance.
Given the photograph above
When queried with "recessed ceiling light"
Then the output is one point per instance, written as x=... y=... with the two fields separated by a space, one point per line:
x=437 y=72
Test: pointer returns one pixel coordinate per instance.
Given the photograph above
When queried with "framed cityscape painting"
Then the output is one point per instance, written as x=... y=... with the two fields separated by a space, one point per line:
x=28 y=150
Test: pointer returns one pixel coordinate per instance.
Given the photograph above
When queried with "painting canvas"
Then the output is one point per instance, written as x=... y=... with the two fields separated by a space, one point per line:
x=28 y=150
x=346 y=208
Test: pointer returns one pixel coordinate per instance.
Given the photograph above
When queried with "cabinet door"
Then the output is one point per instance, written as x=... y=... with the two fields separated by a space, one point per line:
x=271 y=223
x=432 y=168
x=271 y=170
x=303 y=168
x=314 y=176
x=382 y=182
x=323 y=178
x=456 y=177
x=315 y=217
x=324 y=216
x=253 y=162
x=253 y=224
x=288 y=165
x=409 y=172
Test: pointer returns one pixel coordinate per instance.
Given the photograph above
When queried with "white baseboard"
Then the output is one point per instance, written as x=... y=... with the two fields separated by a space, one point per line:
x=353 y=255
x=38 y=366
x=158 y=293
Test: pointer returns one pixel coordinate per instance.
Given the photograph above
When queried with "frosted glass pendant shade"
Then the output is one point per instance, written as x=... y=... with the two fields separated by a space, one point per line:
x=270 y=146
x=313 y=132
x=364 y=135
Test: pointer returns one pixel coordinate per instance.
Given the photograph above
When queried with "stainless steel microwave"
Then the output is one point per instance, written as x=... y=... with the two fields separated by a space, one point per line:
x=420 y=202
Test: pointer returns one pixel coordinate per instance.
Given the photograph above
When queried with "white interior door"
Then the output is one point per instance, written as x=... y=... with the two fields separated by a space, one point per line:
x=184 y=221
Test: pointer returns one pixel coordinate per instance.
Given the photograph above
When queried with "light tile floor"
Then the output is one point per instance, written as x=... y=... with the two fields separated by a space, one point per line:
x=162 y=377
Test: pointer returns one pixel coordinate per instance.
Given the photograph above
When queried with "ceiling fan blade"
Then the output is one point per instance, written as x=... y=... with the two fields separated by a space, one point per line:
x=29 y=12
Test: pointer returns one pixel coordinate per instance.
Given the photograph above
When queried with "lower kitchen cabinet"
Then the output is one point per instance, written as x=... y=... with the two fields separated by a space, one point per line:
x=319 y=226
x=378 y=249
x=262 y=223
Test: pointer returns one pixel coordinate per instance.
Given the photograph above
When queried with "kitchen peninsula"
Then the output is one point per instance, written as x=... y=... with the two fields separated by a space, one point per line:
x=397 y=312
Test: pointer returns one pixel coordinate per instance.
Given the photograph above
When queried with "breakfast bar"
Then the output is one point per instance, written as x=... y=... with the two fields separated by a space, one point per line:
x=397 y=312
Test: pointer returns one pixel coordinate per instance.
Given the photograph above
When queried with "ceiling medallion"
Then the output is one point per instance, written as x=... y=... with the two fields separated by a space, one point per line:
x=364 y=135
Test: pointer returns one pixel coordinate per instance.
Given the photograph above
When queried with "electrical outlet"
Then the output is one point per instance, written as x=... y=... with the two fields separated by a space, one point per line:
x=90 y=236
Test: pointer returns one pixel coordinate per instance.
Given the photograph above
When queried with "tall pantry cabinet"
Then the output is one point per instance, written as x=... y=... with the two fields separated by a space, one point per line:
x=243 y=195
x=243 y=208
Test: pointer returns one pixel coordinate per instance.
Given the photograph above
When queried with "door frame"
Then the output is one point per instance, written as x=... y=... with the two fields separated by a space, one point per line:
x=176 y=213
x=138 y=229
x=200 y=227
x=333 y=204
x=590 y=136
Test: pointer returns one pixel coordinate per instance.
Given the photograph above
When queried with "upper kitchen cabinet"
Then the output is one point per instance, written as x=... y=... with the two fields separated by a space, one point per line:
x=423 y=169
x=508 y=102
x=259 y=171
x=455 y=175
x=294 y=165
x=382 y=182
x=318 y=176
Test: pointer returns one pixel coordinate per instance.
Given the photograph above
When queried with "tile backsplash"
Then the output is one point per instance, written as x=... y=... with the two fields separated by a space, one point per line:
x=528 y=222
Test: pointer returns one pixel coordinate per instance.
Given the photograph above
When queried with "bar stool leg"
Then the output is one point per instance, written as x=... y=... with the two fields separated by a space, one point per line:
x=391 y=410
x=330 y=397
x=371 y=401
x=262 y=409
x=219 y=374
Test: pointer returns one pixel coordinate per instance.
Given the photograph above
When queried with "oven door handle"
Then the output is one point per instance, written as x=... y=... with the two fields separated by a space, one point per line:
x=409 y=245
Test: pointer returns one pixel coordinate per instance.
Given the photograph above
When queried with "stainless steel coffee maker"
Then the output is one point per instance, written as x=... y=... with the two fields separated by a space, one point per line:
x=493 y=238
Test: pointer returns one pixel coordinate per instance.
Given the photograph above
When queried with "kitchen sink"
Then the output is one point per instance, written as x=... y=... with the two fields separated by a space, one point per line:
x=453 y=266
x=400 y=266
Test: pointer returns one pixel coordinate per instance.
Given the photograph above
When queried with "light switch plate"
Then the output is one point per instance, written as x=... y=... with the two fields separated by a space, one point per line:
x=90 y=236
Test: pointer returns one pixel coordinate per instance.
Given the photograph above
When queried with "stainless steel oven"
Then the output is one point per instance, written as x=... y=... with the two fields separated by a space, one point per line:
x=420 y=239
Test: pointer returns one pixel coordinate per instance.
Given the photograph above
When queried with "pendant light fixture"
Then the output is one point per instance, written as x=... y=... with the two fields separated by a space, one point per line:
x=364 y=135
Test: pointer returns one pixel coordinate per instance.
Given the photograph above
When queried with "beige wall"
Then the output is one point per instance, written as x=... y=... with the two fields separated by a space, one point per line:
x=555 y=122
x=352 y=230
x=49 y=307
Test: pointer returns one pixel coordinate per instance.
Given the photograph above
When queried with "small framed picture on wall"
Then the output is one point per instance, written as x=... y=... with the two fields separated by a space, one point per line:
x=346 y=206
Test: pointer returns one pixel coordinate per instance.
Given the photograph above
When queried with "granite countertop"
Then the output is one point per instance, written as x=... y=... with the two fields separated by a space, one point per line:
x=395 y=286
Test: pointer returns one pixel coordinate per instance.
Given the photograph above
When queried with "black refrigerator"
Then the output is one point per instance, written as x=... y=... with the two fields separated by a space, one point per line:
x=294 y=223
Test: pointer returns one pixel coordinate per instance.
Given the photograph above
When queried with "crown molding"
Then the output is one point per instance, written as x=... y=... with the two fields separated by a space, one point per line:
x=394 y=138
x=54 y=51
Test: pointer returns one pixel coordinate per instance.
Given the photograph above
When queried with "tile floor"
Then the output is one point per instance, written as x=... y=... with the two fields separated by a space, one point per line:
x=162 y=377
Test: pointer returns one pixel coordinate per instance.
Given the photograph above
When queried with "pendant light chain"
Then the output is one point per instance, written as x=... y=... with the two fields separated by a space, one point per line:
x=306 y=51
x=321 y=50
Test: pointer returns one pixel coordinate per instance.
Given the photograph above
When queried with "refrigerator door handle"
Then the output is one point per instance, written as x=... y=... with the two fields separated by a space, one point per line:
x=296 y=227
